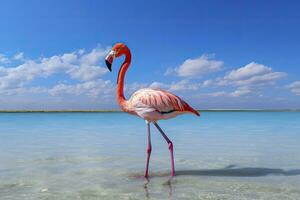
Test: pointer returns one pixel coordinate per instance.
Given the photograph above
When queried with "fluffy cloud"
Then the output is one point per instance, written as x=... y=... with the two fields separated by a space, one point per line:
x=218 y=94
x=294 y=87
x=3 y=59
x=182 y=85
x=19 y=56
x=132 y=87
x=248 y=71
x=23 y=91
x=251 y=74
x=78 y=65
x=159 y=85
x=93 y=57
x=240 y=91
x=92 y=89
x=196 y=67
x=86 y=72
x=245 y=79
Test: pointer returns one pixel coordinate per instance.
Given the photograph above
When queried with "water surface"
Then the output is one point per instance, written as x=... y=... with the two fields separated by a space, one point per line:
x=221 y=155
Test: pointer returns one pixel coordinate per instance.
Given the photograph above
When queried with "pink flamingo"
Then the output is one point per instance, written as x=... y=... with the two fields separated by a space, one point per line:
x=149 y=104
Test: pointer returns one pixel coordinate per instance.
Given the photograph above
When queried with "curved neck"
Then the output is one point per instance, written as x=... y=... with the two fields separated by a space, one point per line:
x=120 y=84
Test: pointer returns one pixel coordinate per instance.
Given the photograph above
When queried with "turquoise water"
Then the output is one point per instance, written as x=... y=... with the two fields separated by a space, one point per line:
x=221 y=155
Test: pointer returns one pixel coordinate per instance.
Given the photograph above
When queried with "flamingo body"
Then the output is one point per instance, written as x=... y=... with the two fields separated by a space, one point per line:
x=156 y=104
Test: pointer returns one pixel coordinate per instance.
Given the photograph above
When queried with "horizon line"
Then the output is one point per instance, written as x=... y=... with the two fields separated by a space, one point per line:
x=112 y=111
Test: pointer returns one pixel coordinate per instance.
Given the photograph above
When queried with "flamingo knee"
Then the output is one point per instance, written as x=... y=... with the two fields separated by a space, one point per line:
x=170 y=144
x=149 y=149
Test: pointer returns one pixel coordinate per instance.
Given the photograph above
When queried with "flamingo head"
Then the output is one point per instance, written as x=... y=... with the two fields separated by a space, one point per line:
x=117 y=50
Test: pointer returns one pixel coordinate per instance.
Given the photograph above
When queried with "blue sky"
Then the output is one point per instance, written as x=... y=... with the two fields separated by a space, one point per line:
x=213 y=54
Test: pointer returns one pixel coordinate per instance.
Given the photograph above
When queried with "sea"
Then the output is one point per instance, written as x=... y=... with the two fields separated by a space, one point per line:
x=234 y=155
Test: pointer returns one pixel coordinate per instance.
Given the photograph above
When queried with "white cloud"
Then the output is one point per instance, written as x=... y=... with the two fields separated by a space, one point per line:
x=130 y=88
x=3 y=59
x=241 y=91
x=82 y=67
x=159 y=85
x=170 y=71
x=196 y=67
x=86 y=72
x=19 y=56
x=23 y=90
x=183 y=85
x=248 y=79
x=248 y=71
x=92 y=89
x=294 y=87
x=93 y=57
x=251 y=74
x=81 y=51
x=207 y=83
x=218 y=94
x=70 y=58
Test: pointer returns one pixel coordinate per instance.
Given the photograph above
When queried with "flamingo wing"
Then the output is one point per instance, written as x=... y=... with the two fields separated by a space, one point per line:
x=159 y=100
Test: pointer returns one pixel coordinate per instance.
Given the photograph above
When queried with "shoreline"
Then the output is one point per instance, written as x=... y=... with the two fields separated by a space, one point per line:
x=120 y=111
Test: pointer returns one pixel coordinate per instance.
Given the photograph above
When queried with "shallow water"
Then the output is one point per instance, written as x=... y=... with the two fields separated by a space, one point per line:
x=221 y=155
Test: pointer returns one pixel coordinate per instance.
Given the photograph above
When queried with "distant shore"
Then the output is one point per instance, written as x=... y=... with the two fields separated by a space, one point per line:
x=116 y=111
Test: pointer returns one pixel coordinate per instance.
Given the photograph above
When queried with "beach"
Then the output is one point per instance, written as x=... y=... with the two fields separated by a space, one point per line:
x=101 y=155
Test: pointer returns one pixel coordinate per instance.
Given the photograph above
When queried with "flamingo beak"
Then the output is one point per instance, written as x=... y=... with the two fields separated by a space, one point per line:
x=109 y=59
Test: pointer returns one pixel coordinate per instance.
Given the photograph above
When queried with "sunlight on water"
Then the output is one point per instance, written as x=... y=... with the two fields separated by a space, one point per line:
x=221 y=155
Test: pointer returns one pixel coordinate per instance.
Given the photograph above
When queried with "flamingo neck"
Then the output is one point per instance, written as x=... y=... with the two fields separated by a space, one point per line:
x=120 y=84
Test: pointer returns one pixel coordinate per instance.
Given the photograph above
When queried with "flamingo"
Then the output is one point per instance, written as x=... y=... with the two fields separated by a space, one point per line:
x=149 y=104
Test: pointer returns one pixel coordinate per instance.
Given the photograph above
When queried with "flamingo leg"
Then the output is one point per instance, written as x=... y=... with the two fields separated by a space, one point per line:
x=149 y=149
x=170 y=144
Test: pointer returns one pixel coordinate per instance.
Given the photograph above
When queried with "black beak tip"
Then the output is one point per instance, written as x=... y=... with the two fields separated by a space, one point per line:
x=108 y=64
